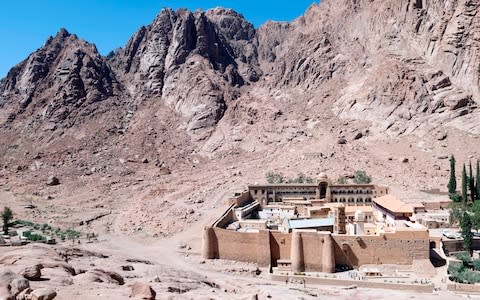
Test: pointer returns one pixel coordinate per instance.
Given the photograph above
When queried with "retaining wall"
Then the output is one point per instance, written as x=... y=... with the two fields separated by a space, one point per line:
x=421 y=288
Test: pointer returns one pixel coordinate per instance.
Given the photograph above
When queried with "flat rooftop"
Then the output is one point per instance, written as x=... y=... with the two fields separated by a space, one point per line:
x=310 y=223
x=354 y=209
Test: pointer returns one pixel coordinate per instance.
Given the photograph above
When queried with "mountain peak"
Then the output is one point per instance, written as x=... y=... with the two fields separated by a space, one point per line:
x=62 y=33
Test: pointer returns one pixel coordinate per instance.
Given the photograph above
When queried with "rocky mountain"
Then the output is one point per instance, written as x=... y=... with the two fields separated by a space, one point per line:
x=398 y=64
x=59 y=82
x=208 y=80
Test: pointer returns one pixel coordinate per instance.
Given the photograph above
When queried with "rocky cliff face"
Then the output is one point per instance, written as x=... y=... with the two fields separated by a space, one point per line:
x=403 y=66
x=192 y=62
x=399 y=65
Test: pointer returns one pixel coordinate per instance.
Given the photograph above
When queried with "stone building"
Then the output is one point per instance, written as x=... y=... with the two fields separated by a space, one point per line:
x=321 y=191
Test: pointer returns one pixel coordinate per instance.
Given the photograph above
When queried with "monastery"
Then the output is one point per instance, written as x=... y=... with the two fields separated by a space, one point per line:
x=320 y=227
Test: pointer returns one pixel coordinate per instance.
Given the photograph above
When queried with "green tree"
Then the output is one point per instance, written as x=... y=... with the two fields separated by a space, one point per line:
x=361 y=177
x=456 y=212
x=466 y=226
x=342 y=180
x=475 y=208
x=7 y=216
x=471 y=183
x=452 y=183
x=464 y=185
x=477 y=185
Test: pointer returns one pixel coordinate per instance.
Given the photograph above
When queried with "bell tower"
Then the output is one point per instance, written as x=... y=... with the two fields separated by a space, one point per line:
x=323 y=190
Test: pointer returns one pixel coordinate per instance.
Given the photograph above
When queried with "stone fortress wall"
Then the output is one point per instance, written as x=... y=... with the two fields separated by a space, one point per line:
x=310 y=250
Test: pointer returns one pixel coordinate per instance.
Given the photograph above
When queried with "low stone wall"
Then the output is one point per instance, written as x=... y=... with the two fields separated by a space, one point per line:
x=420 y=288
x=464 y=288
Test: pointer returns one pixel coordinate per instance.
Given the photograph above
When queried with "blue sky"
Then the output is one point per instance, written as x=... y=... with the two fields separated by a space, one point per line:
x=26 y=24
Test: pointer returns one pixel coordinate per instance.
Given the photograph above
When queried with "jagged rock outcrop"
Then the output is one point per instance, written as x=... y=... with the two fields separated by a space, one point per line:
x=60 y=82
x=192 y=61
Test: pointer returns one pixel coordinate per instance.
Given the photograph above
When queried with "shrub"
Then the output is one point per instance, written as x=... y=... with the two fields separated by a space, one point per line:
x=476 y=264
x=34 y=237
x=455 y=197
x=465 y=258
x=361 y=177
x=301 y=178
x=275 y=178
x=461 y=271
x=72 y=234
x=45 y=227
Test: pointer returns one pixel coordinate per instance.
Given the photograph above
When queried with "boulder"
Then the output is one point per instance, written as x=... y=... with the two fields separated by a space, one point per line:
x=142 y=291
x=357 y=135
x=127 y=268
x=53 y=180
x=33 y=272
x=342 y=141
x=441 y=136
x=16 y=282
x=102 y=276
x=24 y=295
x=43 y=294
x=404 y=160
x=19 y=284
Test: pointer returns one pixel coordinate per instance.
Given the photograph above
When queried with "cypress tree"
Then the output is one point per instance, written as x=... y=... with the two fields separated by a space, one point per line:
x=477 y=191
x=466 y=226
x=471 y=183
x=7 y=216
x=464 y=185
x=452 y=183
